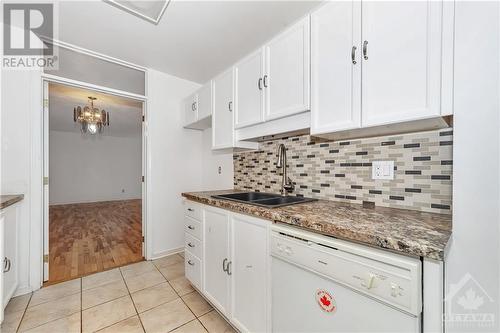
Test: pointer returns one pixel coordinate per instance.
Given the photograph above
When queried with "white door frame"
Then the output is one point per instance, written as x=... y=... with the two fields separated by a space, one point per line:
x=46 y=79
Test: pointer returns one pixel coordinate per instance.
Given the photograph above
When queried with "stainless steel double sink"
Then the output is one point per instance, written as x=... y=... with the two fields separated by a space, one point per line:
x=263 y=199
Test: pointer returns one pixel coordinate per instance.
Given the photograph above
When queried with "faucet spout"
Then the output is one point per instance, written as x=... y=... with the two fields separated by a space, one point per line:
x=286 y=183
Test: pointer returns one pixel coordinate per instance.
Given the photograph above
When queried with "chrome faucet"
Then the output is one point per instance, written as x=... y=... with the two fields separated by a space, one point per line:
x=286 y=183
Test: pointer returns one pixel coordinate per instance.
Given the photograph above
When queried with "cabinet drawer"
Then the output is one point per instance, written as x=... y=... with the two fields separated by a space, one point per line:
x=193 y=227
x=193 y=269
x=193 y=210
x=192 y=244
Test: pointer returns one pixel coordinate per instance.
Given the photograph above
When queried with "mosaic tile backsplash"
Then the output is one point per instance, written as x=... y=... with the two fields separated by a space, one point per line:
x=342 y=170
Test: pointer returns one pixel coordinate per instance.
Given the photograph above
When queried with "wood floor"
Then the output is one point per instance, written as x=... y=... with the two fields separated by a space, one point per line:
x=92 y=237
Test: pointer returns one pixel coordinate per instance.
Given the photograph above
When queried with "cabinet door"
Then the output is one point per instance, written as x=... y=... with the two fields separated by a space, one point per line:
x=216 y=252
x=402 y=61
x=336 y=67
x=286 y=78
x=249 y=272
x=10 y=281
x=204 y=105
x=249 y=90
x=2 y=237
x=222 y=118
x=190 y=113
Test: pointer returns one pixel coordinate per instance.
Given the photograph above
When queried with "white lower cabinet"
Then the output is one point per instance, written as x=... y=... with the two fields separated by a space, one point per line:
x=193 y=269
x=249 y=273
x=216 y=251
x=236 y=271
x=193 y=248
x=9 y=234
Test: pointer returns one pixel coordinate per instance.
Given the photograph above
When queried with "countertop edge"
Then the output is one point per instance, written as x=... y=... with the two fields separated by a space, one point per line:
x=7 y=200
x=409 y=248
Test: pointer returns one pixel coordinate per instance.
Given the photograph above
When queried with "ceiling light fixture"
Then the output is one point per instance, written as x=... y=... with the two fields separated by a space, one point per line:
x=151 y=11
x=91 y=119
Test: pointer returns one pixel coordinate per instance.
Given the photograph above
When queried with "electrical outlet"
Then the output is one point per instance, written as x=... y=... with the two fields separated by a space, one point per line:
x=383 y=170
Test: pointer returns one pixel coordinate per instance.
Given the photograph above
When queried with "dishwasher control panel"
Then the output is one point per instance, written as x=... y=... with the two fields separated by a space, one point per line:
x=390 y=278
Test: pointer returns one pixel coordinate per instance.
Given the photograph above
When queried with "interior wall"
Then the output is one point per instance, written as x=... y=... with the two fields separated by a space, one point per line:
x=473 y=261
x=212 y=160
x=175 y=161
x=85 y=168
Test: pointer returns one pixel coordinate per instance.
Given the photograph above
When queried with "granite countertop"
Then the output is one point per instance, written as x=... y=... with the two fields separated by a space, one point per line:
x=405 y=231
x=10 y=199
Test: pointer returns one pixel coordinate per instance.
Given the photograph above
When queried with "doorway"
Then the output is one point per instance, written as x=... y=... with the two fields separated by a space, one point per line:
x=93 y=181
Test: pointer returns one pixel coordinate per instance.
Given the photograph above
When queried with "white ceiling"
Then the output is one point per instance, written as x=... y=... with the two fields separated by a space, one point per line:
x=124 y=114
x=194 y=40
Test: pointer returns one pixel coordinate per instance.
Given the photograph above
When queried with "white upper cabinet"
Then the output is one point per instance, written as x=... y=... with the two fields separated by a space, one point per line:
x=401 y=49
x=222 y=118
x=204 y=103
x=336 y=67
x=190 y=114
x=198 y=108
x=249 y=90
x=286 y=78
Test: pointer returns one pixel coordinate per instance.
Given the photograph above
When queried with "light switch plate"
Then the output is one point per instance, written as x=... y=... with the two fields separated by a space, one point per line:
x=383 y=170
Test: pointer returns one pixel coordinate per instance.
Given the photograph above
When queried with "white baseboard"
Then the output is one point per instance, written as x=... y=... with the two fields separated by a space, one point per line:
x=165 y=253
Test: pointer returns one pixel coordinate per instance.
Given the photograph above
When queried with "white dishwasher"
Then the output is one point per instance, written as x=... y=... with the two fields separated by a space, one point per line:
x=322 y=284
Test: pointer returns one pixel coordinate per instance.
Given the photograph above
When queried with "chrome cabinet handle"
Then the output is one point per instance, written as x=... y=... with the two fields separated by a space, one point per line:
x=195 y=105
x=230 y=106
x=224 y=265
x=265 y=81
x=353 y=55
x=260 y=83
x=190 y=227
x=190 y=263
x=6 y=265
x=190 y=245
x=192 y=106
x=365 y=51
x=191 y=209
x=228 y=269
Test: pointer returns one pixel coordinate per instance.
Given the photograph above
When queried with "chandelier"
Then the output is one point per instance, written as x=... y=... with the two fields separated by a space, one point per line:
x=91 y=119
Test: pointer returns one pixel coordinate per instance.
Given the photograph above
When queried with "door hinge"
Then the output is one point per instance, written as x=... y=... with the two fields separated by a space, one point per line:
x=143 y=239
x=45 y=180
x=46 y=103
x=143 y=118
x=45 y=258
x=143 y=179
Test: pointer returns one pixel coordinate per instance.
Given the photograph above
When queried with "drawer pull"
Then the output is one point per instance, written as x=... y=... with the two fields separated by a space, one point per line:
x=190 y=227
x=191 y=209
x=190 y=262
x=190 y=245
x=228 y=269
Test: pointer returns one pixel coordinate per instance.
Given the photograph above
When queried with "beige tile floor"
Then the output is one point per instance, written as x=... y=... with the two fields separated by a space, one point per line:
x=149 y=296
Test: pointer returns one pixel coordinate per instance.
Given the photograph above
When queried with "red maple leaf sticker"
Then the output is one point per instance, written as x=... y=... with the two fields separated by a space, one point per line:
x=324 y=300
